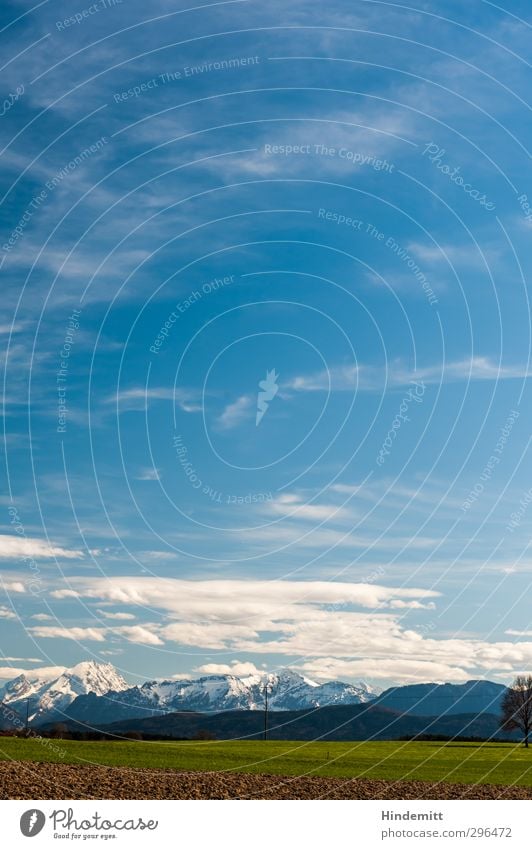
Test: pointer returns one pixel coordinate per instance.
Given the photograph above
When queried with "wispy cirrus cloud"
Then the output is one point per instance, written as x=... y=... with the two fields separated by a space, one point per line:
x=236 y=412
x=76 y=633
x=14 y=546
x=292 y=505
x=199 y=597
x=463 y=255
x=148 y=474
x=347 y=378
x=140 y=397
x=142 y=635
x=109 y=614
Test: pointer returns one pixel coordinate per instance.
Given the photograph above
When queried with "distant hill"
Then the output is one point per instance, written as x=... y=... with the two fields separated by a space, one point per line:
x=342 y=722
x=440 y=699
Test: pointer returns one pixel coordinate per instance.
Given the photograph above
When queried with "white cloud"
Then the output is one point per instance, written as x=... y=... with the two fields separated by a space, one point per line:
x=235 y=413
x=157 y=555
x=398 y=670
x=9 y=672
x=44 y=673
x=110 y=615
x=346 y=488
x=212 y=635
x=14 y=586
x=138 y=398
x=399 y=604
x=81 y=634
x=13 y=547
x=139 y=634
x=315 y=621
x=347 y=378
x=293 y=506
x=220 y=597
x=327 y=537
x=372 y=132
x=453 y=254
x=132 y=633
x=25 y=659
x=148 y=474
x=7 y=612
x=237 y=667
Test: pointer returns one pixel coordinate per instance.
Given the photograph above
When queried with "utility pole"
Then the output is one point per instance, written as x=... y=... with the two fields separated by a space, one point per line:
x=266 y=709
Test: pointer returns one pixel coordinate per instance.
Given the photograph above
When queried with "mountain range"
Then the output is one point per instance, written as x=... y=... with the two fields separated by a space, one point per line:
x=45 y=693
x=287 y=690
x=96 y=695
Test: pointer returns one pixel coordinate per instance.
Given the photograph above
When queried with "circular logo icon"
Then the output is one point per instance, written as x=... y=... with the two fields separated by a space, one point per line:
x=32 y=822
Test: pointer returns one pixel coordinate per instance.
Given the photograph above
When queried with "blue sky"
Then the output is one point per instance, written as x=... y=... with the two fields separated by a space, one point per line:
x=193 y=198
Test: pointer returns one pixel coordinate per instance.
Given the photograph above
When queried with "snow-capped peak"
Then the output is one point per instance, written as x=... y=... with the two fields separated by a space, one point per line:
x=93 y=677
x=287 y=690
x=49 y=690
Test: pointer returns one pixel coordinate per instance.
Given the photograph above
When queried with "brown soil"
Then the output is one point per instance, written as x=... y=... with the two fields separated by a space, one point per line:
x=25 y=780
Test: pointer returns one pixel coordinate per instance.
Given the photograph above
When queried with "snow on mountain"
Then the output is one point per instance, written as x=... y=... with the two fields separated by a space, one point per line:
x=96 y=694
x=49 y=690
x=287 y=690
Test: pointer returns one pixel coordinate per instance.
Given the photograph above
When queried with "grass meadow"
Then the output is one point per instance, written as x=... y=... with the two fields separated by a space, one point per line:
x=469 y=763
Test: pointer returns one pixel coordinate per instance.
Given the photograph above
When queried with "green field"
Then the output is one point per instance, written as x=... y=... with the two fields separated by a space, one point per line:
x=468 y=763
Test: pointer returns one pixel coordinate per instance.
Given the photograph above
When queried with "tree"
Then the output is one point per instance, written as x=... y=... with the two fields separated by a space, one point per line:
x=516 y=707
x=59 y=731
x=203 y=734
